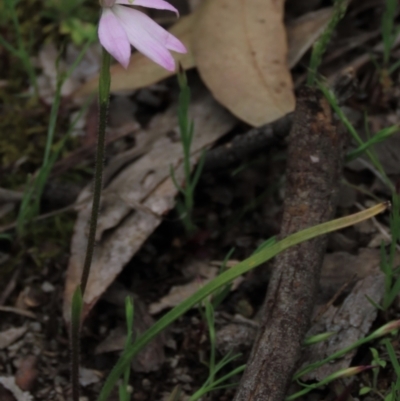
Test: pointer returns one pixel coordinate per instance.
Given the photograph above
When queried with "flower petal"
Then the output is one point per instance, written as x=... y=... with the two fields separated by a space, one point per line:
x=158 y=32
x=148 y=37
x=113 y=37
x=158 y=4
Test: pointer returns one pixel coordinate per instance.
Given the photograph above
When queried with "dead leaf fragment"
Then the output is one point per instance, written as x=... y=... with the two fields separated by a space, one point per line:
x=204 y=273
x=136 y=199
x=115 y=341
x=179 y=293
x=7 y=337
x=351 y=321
x=27 y=372
x=89 y=376
x=9 y=384
x=241 y=53
x=340 y=267
x=304 y=31
x=5 y=395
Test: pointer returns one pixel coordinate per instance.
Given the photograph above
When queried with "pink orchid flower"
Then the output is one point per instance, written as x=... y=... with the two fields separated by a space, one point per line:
x=121 y=26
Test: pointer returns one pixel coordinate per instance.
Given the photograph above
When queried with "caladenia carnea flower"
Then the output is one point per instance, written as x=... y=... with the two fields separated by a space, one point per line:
x=121 y=26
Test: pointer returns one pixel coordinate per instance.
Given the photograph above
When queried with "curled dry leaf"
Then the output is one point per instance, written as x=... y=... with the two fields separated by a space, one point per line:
x=241 y=53
x=134 y=202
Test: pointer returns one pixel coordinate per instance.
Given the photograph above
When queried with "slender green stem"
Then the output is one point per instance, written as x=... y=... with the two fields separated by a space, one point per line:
x=76 y=312
x=104 y=92
x=321 y=44
x=186 y=130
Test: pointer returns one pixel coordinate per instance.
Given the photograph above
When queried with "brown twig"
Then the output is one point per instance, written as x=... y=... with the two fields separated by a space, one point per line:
x=315 y=159
x=10 y=287
x=254 y=141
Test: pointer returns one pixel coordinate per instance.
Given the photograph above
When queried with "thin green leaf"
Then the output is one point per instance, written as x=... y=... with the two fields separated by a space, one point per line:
x=225 y=278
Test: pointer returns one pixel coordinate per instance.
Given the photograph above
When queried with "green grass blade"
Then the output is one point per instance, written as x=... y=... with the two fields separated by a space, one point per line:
x=226 y=277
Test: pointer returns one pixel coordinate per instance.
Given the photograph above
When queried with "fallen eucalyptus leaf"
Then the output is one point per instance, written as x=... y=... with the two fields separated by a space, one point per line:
x=136 y=199
x=241 y=53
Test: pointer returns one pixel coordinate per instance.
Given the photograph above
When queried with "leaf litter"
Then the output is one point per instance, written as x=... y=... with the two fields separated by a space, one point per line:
x=136 y=199
x=137 y=196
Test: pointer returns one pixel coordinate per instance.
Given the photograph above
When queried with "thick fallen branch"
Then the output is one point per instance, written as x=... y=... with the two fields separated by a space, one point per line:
x=315 y=160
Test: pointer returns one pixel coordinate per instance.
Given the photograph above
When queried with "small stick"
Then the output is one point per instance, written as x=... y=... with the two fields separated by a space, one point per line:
x=315 y=161
x=254 y=141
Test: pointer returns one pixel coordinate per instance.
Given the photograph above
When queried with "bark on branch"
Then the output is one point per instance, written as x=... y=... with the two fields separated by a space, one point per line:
x=315 y=160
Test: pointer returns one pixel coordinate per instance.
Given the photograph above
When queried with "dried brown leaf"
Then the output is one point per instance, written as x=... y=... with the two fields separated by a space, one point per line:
x=7 y=337
x=202 y=272
x=179 y=293
x=241 y=53
x=136 y=199
x=89 y=376
x=351 y=321
x=9 y=384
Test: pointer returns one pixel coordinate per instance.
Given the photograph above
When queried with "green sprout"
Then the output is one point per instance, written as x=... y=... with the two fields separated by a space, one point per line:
x=186 y=130
x=212 y=383
x=321 y=44
x=124 y=393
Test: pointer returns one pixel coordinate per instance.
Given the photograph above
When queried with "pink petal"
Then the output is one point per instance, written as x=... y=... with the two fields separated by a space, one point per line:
x=113 y=37
x=148 y=37
x=159 y=33
x=158 y=4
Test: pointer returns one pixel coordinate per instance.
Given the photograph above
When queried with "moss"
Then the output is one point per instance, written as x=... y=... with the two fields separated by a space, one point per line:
x=22 y=142
x=49 y=239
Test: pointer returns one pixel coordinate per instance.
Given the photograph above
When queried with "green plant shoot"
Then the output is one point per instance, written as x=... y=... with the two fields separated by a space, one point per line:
x=387 y=263
x=211 y=383
x=321 y=44
x=186 y=130
x=124 y=394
